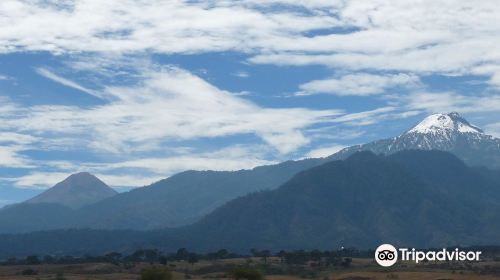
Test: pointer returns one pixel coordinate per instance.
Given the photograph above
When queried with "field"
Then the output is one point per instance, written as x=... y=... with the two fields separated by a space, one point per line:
x=272 y=268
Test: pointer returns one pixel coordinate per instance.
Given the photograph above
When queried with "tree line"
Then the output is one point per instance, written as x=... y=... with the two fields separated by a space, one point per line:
x=182 y=254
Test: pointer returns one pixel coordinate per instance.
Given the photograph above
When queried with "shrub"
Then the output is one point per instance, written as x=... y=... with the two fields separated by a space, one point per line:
x=29 y=271
x=247 y=273
x=156 y=273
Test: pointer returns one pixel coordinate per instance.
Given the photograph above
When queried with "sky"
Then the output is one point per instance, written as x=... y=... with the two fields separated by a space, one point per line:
x=135 y=91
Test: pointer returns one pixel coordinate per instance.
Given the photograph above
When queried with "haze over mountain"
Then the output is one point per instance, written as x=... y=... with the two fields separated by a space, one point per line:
x=55 y=207
x=76 y=191
x=186 y=197
x=411 y=198
x=178 y=200
x=445 y=132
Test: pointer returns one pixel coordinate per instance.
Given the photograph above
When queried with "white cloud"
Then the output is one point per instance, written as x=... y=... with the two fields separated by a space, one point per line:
x=422 y=37
x=230 y=158
x=11 y=147
x=241 y=74
x=38 y=180
x=170 y=105
x=129 y=26
x=360 y=84
x=493 y=129
x=4 y=202
x=167 y=105
x=11 y=158
x=131 y=173
x=428 y=36
x=366 y=117
x=16 y=138
x=324 y=151
x=183 y=105
x=437 y=102
x=58 y=79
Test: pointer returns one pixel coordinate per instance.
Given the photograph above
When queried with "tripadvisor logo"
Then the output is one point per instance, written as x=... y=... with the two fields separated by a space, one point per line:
x=387 y=255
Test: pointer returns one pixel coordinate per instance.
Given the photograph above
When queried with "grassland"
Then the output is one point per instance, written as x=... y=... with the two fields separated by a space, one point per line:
x=273 y=269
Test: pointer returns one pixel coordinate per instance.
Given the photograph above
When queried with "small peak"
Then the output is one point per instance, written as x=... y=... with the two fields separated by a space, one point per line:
x=75 y=191
x=80 y=178
x=82 y=174
x=437 y=123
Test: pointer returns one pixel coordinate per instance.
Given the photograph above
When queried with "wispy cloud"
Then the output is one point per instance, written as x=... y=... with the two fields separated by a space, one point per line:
x=360 y=84
x=241 y=74
x=125 y=127
x=421 y=37
x=324 y=151
x=145 y=170
x=66 y=82
x=493 y=129
x=433 y=102
x=183 y=104
x=383 y=46
x=5 y=78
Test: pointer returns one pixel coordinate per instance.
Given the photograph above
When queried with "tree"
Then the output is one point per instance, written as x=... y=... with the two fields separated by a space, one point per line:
x=49 y=259
x=254 y=252
x=113 y=257
x=265 y=254
x=346 y=262
x=193 y=258
x=163 y=260
x=31 y=260
x=151 y=255
x=282 y=255
x=221 y=254
x=182 y=254
x=316 y=255
x=297 y=257
x=137 y=256
x=247 y=273
x=156 y=273
x=29 y=271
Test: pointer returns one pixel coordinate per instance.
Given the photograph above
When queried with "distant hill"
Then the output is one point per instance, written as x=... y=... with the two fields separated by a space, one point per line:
x=56 y=207
x=410 y=198
x=185 y=197
x=445 y=132
x=178 y=200
x=26 y=217
x=76 y=191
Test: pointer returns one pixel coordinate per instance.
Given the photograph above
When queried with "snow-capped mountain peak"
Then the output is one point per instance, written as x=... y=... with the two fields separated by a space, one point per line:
x=445 y=132
x=438 y=123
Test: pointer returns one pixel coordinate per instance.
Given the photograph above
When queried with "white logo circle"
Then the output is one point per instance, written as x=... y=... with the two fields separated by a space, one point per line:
x=386 y=255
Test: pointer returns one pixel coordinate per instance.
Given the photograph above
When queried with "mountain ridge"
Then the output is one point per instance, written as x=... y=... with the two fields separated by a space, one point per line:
x=362 y=201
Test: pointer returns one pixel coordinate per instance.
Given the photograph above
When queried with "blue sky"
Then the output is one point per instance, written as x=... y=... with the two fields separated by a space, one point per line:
x=135 y=91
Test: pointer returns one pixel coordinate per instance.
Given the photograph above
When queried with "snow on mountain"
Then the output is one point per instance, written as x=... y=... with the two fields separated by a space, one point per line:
x=445 y=132
x=439 y=123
